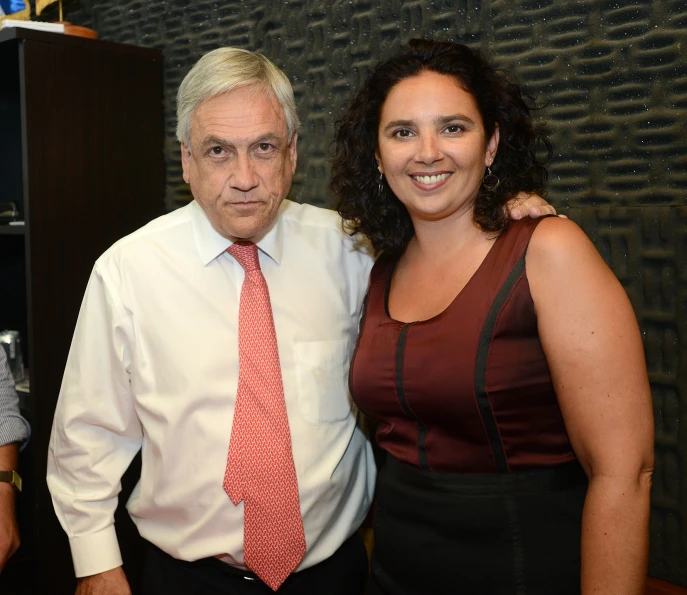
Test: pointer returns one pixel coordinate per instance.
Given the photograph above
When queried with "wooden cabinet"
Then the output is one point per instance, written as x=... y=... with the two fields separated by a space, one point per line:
x=81 y=155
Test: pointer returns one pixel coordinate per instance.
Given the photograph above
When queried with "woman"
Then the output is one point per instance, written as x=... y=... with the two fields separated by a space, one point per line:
x=501 y=359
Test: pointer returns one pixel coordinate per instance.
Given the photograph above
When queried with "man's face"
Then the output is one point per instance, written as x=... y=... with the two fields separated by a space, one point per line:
x=240 y=163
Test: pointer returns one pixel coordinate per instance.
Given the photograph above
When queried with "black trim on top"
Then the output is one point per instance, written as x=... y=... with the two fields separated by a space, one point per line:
x=481 y=367
x=421 y=429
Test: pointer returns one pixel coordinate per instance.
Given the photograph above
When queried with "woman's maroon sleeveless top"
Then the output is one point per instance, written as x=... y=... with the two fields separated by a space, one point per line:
x=469 y=390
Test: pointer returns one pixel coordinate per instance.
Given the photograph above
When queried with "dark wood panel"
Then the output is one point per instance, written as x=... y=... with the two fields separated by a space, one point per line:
x=91 y=148
x=84 y=43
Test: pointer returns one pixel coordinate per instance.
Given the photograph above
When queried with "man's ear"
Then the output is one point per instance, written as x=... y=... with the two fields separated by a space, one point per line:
x=293 y=152
x=492 y=146
x=185 y=161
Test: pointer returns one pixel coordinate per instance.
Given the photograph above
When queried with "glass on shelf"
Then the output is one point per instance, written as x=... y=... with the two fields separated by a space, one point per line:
x=24 y=386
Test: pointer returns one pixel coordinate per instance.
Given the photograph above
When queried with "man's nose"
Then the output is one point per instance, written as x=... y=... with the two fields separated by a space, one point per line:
x=243 y=177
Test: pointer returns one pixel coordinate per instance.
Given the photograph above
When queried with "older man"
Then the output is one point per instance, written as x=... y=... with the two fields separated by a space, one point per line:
x=216 y=339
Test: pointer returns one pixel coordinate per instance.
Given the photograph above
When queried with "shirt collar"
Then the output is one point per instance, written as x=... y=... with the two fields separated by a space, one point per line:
x=211 y=244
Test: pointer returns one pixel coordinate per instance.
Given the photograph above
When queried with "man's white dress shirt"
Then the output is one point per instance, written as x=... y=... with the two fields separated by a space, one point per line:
x=154 y=366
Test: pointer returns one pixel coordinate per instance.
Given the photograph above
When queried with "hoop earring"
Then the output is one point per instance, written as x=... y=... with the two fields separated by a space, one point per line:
x=491 y=181
x=380 y=185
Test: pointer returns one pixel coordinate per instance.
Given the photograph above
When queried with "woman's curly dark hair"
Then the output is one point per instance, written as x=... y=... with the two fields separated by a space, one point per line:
x=383 y=218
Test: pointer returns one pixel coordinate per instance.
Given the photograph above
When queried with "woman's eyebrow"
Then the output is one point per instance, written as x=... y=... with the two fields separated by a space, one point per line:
x=399 y=123
x=453 y=118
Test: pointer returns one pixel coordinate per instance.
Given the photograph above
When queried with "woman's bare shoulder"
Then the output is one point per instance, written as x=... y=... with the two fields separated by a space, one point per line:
x=560 y=244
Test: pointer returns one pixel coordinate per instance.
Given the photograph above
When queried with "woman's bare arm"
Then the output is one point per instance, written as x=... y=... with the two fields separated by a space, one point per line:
x=593 y=346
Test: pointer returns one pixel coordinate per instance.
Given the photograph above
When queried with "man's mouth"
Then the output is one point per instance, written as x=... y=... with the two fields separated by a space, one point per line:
x=242 y=203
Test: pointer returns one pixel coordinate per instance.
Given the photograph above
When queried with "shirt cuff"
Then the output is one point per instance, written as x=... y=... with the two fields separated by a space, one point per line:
x=95 y=553
x=14 y=429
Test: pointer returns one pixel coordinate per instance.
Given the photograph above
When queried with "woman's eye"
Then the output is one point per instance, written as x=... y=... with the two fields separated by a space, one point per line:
x=404 y=133
x=453 y=128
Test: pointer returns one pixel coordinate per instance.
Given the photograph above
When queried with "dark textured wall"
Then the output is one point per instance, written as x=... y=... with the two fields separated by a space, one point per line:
x=615 y=75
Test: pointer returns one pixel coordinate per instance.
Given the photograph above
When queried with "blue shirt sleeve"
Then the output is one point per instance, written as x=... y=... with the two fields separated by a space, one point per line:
x=13 y=427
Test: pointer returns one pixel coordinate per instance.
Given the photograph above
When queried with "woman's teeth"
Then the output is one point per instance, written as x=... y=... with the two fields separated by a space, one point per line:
x=431 y=179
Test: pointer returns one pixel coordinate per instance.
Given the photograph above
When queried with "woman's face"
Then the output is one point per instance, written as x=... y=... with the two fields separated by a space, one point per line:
x=432 y=146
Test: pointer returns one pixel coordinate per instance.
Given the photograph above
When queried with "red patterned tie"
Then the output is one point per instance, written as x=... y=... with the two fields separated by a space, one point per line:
x=260 y=468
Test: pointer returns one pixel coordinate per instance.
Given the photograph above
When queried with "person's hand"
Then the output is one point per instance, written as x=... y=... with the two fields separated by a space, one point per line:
x=110 y=582
x=9 y=531
x=525 y=204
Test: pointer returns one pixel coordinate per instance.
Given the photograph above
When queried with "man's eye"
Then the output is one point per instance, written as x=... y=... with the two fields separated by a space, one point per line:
x=264 y=147
x=216 y=150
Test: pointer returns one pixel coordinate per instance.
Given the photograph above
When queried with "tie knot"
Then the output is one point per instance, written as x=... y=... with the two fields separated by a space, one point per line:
x=246 y=253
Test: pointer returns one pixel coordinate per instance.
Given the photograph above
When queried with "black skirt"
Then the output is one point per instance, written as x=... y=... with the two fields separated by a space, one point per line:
x=492 y=534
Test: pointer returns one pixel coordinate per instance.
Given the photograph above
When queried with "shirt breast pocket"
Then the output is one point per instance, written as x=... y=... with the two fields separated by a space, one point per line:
x=322 y=379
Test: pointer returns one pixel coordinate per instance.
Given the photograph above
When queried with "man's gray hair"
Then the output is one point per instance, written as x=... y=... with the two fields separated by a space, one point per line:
x=223 y=70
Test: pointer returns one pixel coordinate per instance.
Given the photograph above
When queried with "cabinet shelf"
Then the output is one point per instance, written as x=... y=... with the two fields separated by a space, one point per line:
x=11 y=230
